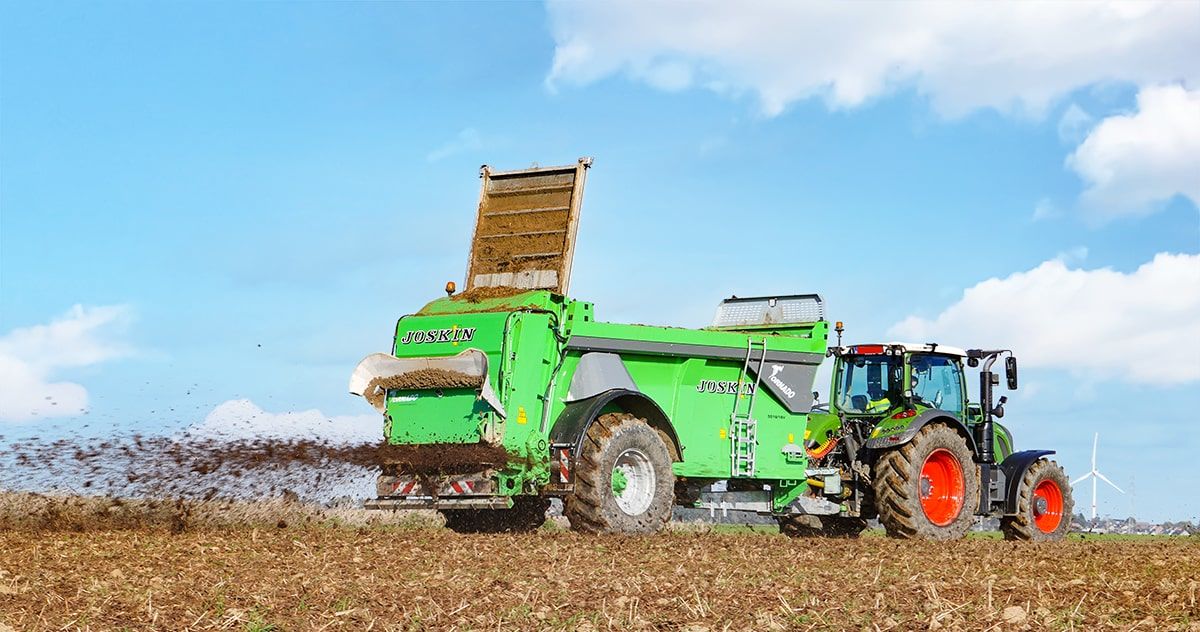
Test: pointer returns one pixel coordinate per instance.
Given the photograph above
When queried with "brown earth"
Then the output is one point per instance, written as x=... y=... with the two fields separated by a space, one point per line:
x=448 y=458
x=495 y=253
x=208 y=468
x=204 y=561
x=406 y=578
x=42 y=513
x=484 y=293
x=519 y=218
x=417 y=380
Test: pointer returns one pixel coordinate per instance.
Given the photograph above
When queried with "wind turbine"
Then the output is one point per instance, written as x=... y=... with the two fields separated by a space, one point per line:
x=1094 y=475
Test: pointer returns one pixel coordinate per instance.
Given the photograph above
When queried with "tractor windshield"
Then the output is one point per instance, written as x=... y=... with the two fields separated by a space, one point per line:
x=937 y=382
x=867 y=384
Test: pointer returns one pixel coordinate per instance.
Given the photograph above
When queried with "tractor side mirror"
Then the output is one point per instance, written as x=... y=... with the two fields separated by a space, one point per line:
x=1010 y=372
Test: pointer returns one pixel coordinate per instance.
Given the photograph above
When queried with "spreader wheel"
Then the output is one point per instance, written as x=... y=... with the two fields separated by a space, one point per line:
x=623 y=479
x=1044 y=505
x=527 y=514
x=927 y=488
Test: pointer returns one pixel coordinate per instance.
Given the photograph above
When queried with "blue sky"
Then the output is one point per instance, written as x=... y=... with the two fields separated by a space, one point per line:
x=242 y=198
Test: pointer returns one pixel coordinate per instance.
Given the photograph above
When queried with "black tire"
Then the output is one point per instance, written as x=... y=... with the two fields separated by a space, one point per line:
x=1034 y=520
x=898 y=485
x=527 y=514
x=803 y=526
x=593 y=506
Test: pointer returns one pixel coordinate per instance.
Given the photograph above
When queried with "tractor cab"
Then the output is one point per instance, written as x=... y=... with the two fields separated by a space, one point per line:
x=881 y=391
x=874 y=380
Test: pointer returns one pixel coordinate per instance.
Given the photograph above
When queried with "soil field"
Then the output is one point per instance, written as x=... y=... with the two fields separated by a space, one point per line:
x=397 y=577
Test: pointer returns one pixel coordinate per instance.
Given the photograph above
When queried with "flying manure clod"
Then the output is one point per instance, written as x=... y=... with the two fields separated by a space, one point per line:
x=511 y=393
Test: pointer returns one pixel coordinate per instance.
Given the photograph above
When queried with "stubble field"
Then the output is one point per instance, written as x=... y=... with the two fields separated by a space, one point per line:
x=320 y=572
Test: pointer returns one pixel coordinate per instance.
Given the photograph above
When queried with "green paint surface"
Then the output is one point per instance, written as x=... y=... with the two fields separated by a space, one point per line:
x=619 y=482
x=528 y=367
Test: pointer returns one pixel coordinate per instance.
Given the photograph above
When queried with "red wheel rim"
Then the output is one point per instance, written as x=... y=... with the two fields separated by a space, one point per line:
x=942 y=487
x=1047 y=506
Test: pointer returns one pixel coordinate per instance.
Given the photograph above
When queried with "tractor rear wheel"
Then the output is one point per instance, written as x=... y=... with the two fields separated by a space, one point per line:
x=1044 y=505
x=623 y=479
x=527 y=514
x=927 y=488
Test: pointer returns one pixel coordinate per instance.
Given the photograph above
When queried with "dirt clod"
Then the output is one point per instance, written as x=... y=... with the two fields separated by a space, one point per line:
x=1013 y=615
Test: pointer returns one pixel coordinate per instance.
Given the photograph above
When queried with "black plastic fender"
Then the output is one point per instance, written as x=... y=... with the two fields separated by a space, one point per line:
x=1014 y=468
x=573 y=422
x=918 y=422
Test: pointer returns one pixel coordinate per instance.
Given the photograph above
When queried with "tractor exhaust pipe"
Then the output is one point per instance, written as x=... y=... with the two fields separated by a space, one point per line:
x=984 y=432
x=985 y=436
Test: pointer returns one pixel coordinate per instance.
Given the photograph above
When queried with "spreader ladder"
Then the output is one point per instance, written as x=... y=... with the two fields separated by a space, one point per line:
x=743 y=429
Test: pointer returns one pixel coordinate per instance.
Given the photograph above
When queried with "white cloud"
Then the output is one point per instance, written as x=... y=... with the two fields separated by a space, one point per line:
x=1009 y=56
x=30 y=358
x=243 y=419
x=1142 y=326
x=1045 y=209
x=466 y=140
x=1135 y=162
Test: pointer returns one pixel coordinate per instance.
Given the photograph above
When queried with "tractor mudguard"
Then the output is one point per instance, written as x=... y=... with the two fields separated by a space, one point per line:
x=890 y=435
x=573 y=422
x=1004 y=441
x=1014 y=468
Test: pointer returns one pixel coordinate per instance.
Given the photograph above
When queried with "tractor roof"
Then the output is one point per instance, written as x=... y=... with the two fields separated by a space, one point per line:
x=912 y=347
x=908 y=347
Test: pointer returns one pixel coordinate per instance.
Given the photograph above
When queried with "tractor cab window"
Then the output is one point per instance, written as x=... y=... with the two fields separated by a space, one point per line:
x=868 y=384
x=937 y=382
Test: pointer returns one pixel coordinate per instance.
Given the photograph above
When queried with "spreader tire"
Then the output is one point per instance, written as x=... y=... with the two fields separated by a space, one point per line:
x=623 y=479
x=527 y=514
x=1044 y=505
x=927 y=488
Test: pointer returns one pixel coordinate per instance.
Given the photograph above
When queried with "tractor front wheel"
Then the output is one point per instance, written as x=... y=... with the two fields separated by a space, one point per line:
x=527 y=514
x=623 y=479
x=927 y=488
x=1044 y=505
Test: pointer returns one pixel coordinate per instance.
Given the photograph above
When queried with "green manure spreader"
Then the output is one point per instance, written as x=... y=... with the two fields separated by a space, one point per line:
x=510 y=393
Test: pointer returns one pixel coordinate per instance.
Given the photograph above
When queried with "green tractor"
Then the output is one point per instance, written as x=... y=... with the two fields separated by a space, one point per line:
x=912 y=450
